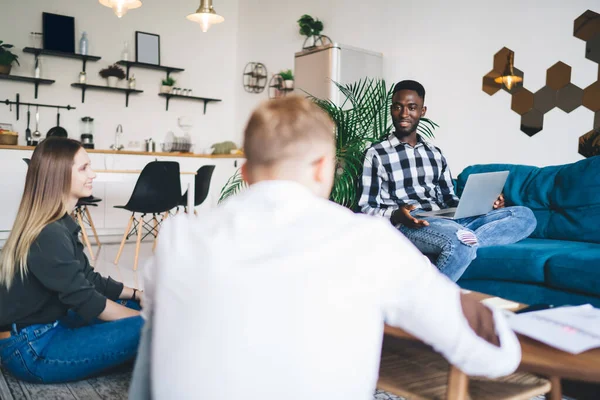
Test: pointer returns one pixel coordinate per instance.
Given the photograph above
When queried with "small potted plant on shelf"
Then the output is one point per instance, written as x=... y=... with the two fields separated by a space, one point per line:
x=7 y=58
x=112 y=74
x=167 y=85
x=311 y=28
x=288 y=79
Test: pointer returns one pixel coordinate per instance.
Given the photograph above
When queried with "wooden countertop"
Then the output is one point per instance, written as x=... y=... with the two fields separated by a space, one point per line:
x=137 y=153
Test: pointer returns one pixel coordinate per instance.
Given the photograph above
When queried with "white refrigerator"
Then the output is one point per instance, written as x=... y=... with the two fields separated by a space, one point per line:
x=316 y=69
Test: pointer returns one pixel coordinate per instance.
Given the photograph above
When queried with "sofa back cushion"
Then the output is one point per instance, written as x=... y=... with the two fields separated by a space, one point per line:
x=564 y=198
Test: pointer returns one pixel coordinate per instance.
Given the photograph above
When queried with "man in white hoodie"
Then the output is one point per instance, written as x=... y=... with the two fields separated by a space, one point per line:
x=280 y=293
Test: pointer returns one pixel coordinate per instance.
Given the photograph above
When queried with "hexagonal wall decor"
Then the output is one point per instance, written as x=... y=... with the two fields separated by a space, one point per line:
x=544 y=99
x=587 y=25
x=559 y=91
x=569 y=98
x=489 y=85
x=522 y=101
x=558 y=75
x=591 y=96
x=592 y=49
x=532 y=122
x=589 y=144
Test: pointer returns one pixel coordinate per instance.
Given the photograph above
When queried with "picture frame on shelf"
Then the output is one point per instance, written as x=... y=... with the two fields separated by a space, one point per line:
x=58 y=32
x=147 y=48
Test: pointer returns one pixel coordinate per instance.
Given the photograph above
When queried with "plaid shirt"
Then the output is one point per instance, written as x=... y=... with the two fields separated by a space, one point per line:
x=396 y=174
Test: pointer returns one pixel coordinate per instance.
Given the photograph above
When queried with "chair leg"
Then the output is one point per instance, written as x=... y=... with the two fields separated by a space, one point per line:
x=155 y=232
x=86 y=240
x=139 y=241
x=89 y=217
x=458 y=385
x=124 y=239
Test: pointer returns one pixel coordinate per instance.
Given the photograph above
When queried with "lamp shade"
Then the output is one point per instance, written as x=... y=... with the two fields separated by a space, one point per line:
x=120 y=7
x=206 y=16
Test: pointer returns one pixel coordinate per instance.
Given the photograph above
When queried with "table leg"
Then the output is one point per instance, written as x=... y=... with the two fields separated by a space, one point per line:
x=458 y=384
x=556 y=391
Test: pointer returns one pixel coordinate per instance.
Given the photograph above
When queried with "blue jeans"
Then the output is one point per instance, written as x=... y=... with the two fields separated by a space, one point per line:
x=453 y=244
x=68 y=349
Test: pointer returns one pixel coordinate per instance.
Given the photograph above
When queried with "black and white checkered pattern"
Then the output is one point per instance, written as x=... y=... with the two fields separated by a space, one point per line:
x=397 y=174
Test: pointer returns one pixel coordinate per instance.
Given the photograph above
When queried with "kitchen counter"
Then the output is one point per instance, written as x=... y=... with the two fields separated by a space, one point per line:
x=138 y=153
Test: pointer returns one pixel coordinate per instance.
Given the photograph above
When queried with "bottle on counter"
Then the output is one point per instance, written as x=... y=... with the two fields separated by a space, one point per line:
x=83 y=44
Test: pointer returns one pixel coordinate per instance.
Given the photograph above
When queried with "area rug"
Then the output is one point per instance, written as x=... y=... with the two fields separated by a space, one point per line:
x=112 y=386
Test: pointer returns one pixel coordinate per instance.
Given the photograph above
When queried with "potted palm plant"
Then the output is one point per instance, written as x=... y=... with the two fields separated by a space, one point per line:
x=361 y=120
x=7 y=58
x=167 y=85
x=112 y=74
x=288 y=78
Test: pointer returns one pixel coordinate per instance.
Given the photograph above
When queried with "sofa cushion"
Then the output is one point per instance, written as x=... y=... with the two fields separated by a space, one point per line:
x=525 y=261
x=577 y=271
x=565 y=199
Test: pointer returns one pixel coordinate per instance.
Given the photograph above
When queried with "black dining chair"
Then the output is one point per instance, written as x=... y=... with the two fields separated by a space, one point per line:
x=202 y=186
x=82 y=215
x=157 y=190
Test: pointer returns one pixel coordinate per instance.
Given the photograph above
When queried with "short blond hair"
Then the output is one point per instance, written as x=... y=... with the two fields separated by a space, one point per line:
x=286 y=129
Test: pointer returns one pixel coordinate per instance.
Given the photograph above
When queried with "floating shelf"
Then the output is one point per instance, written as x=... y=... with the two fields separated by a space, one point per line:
x=135 y=64
x=255 y=75
x=35 y=81
x=85 y=86
x=206 y=100
x=281 y=89
x=54 y=53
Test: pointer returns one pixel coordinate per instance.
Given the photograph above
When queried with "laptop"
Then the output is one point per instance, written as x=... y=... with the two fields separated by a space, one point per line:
x=478 y=197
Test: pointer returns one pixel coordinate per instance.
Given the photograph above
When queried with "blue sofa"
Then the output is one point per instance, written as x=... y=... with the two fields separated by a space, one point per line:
x=560 y=262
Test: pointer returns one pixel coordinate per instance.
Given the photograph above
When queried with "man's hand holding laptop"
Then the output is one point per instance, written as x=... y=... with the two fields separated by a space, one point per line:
x=499 y=203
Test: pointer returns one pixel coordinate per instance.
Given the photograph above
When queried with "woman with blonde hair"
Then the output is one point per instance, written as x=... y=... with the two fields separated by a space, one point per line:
x=59 y=320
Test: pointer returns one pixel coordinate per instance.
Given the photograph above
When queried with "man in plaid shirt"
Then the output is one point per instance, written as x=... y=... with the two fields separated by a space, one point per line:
x=404 y=174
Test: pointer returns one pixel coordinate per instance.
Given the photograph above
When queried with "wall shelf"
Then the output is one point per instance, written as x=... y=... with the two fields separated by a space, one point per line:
x=135 y=64
x=35 y=81
x=54 y=53
x=85 y=86
x=206 y=100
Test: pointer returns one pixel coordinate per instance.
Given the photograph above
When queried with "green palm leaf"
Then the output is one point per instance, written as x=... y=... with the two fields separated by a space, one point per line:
x=233 y=186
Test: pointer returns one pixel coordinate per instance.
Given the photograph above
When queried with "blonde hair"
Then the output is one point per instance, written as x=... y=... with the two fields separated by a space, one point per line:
x=284 y=129
x=47 y=187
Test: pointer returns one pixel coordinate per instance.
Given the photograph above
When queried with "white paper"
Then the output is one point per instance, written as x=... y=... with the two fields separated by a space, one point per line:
x=571 y=329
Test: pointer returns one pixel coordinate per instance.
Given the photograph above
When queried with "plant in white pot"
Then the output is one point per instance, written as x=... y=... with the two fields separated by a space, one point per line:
x=288 y=79
x=167 y=85
x=112 y=74
x=7 y=58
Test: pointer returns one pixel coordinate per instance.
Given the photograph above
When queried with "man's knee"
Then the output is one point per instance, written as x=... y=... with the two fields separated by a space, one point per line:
x=526 y=218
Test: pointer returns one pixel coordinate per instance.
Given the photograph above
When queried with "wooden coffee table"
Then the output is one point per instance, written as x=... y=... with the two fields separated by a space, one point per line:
x=537 y=358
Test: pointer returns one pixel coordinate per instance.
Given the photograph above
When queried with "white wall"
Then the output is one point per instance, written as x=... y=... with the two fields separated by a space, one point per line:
x=208 y=59
x=448 y=46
